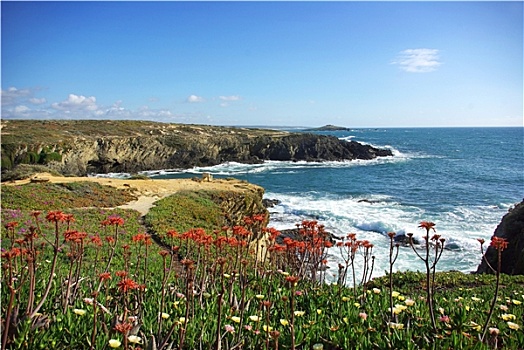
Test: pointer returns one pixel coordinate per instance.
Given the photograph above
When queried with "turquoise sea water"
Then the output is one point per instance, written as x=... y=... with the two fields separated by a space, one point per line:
x=462 y=179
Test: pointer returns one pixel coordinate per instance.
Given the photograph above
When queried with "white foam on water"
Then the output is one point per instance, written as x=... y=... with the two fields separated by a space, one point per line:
x=372 y=217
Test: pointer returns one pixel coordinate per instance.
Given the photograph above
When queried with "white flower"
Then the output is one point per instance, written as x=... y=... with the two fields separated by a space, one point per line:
x=513 y=325
x=134 y=339
x=409 y=302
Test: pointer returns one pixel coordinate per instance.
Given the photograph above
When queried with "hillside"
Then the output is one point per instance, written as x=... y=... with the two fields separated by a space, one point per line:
x=79 y=147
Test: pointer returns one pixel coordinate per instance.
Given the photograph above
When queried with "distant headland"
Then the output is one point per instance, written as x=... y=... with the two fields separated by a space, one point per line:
x=329 y=127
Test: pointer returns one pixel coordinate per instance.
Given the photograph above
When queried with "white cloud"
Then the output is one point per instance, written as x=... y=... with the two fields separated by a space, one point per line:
x=37 y=101
x=230 y=98
x=195 y=99
x=418 y=60
x=76 y=103
x=12 y=95
x=21 y=109
x=21 y=104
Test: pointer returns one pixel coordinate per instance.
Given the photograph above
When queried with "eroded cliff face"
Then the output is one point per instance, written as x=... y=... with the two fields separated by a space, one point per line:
x=82 y=147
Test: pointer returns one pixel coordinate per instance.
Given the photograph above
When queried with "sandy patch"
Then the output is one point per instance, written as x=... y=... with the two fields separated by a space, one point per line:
x=149 y=191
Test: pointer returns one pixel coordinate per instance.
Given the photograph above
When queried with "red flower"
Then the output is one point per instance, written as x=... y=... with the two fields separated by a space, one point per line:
x=121 y=273
x=11 y=224
x=127 y=284
x=96 y=241
x=172 y=234
x=55 y=216
x=104 y=276
x=427 y=225
x=292 y=279
x=124 y=327
x=499 y=243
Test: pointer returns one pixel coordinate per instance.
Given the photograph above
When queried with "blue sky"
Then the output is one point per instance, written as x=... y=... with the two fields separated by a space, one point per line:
x=354 y=64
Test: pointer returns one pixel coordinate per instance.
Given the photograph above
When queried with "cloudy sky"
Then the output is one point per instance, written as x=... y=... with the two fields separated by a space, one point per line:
x=355 y=64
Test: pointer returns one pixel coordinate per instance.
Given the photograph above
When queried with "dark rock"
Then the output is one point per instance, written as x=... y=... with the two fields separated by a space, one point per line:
x=511 y=228
x=404 y=240
x=270 y=203
x=294 y=233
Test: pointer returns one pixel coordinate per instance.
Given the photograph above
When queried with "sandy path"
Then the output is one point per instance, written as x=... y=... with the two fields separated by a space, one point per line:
x=149 y=191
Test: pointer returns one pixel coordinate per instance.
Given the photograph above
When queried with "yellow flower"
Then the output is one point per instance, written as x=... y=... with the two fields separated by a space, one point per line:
x=299 y=313
x=254 y=318
x=319 y=311
x=226 y=275
x=475 y=299
x=508 y=317
x=401 y=298
x=235 y=319
x=401 y=307
x=398 y=309
x=513 y=325
x=516 y=302
x=267 y=328
x=395 y=294
x=409 y=302
x=345 y=299
x=165 y=315
x=134 y=339
x=80 y=312
x=467 y=308
x=346 y=320
x=114 y=343
x=376 y=290
x=396 y=325
x=259 y=296
x=182 y=320
x=475 y=326
x=356 y=304
x=284 y=322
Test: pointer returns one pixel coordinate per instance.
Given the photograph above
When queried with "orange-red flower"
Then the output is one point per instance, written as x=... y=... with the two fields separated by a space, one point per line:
x=292 y=279
x=427 y=225
x=499 y=243
x=104 y=276
x=123 y=327
x=55 y=216
x=127 y=284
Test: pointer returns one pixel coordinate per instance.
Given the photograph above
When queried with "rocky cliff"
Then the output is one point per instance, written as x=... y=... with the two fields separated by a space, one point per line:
x=511 y=228
x=81 y=147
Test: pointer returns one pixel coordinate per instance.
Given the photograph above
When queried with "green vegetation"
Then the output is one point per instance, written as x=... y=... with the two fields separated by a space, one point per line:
x=96 y=280
x=185 y=210
x=50 y=196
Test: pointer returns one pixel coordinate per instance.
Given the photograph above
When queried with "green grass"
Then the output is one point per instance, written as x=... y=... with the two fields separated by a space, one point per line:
x=51 y=196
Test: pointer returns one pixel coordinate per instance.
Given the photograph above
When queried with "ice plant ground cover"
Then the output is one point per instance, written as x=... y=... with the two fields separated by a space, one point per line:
x=94 y=279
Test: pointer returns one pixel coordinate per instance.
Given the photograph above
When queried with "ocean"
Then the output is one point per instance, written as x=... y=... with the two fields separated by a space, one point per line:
x=462 y=179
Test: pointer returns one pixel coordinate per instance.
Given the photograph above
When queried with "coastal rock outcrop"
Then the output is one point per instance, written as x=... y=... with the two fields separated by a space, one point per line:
x=511 y=228
x=80 y=147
